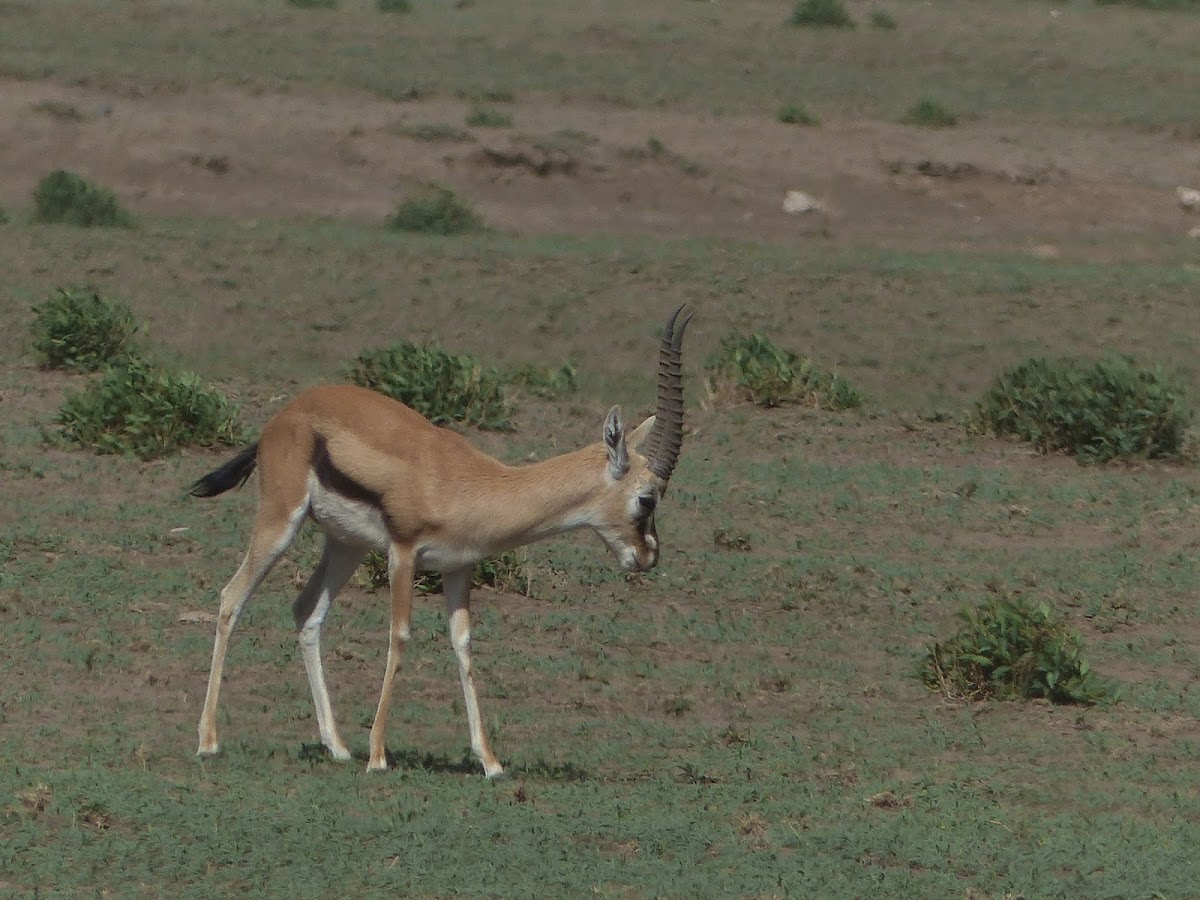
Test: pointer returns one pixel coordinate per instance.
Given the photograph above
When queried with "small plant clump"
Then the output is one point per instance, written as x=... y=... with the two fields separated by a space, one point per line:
x=138 y=408
x=796 y=115
x=488 y=118
x=882 y=20
x=441 y=387
x=754 y=369
x=82 y=331
x=436 y=210
x=1097 y=411
x=546 y=382
x=507 y=572
x=1013 y=649
x=64 y=196
x=821 y=14
x=928 y=113
x=3 y=215
x=313 y=4
x=395 y=6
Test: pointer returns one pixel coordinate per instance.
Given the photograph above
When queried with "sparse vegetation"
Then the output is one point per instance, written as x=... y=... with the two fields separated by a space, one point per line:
x=82 y=331
x=441 y=387
x=64 y=196
x=882 y=20
x=1013 y=649
x=481 y=117
x=751 y=368
x=436 y=210
x=508 y=572
x=547 y=382
x=59 y=109
x=434 y=132
x=1095 y=410
x=821 y=14
x=313 y=4
x=793 y=114
x=394 y=6
x=138 y=408
x=928 y=113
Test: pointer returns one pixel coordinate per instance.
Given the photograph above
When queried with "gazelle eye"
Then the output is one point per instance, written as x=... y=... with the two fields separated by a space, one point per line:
x=647 y=502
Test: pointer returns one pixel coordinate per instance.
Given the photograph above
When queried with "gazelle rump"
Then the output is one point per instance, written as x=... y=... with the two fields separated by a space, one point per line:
x=374 y=474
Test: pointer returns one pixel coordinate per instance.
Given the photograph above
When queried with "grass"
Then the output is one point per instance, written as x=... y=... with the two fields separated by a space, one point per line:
x=482 y=117
x=793 y=114
x=926 y=113
x=436 y=209
x=1101 y=74
x=745 y=721
x=821 y=14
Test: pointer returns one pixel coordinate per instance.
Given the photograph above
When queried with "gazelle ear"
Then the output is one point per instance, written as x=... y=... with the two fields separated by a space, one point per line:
x=638 y=435
x=614 y=443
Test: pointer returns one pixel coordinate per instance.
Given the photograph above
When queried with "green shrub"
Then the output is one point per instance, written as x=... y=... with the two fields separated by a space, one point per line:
x=1013 y=649
x=488 y=118
x=441 y=387
x=547 y=382
x=821 y=14
x=63 y=196
x=395 y=6
x=82 y=331
x=3 y=216
x=507 y=572
x=313 y=4
x=928 y=113
x=436 y=210
x=138 y=408
x=1096 y=411
x=795 y=115
x=752 y=368
x=882 y=20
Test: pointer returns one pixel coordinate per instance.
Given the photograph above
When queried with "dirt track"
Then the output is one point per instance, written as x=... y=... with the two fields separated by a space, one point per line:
x=232 y=152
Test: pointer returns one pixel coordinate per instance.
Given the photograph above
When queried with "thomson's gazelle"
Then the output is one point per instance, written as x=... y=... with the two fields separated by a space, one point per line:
x=374 y=474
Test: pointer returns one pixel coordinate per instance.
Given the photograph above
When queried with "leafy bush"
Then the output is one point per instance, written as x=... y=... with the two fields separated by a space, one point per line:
x=138 y=408
x=441 y=387
x=547 y=382
x=795 y=115
x=1013 y=649
x=488 y=118
x=821 y=14
x=436 y=210
x=929 y=114
x=506 y=572
x=82 y=331
x=63 y=196
x=1094 y=410
x=752 y=368
x=395 y=6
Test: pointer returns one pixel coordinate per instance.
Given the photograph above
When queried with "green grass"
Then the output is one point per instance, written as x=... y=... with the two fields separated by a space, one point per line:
x=482 y=117
x=1114 y=64
x=927 y=113
x=793 y=114
x=437 y=210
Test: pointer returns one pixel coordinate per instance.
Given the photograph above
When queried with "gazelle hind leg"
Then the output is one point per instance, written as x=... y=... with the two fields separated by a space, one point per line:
x=272 y=536
x=457 y=588
x=338 y=562
x=401 y=571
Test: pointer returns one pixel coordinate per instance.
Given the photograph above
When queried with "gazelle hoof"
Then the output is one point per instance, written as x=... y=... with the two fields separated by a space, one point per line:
x=497 y=777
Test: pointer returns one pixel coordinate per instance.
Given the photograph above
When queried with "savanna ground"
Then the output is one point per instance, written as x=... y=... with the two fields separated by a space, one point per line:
x=744 y=721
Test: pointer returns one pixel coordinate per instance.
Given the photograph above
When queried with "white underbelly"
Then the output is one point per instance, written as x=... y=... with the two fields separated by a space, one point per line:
x=350 y=521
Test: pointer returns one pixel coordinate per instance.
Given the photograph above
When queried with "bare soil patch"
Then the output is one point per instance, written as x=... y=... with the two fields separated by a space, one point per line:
x=588 y=167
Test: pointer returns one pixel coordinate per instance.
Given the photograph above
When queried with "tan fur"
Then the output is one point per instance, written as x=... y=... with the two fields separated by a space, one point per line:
x=445 y=505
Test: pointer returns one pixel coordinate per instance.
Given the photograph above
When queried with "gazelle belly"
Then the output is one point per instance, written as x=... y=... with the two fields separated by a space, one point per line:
x=353 y=522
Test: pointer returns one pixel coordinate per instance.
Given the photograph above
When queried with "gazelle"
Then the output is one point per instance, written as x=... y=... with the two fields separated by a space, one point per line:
x=374 y=474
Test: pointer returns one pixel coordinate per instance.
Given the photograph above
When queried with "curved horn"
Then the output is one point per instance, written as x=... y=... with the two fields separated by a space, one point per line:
x=663 y=444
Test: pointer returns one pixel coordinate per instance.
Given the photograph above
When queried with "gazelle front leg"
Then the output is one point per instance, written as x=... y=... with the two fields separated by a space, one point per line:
x=457 y=588
x=401 y=572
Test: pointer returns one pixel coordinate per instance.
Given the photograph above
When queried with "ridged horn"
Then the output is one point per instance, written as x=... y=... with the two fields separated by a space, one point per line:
x=665 y=440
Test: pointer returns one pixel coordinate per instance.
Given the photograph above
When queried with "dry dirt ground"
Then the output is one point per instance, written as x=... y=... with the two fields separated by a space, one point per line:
x=589 y=167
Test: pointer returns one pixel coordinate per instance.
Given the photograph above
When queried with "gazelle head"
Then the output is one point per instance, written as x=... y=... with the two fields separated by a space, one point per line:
x=640 y=463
